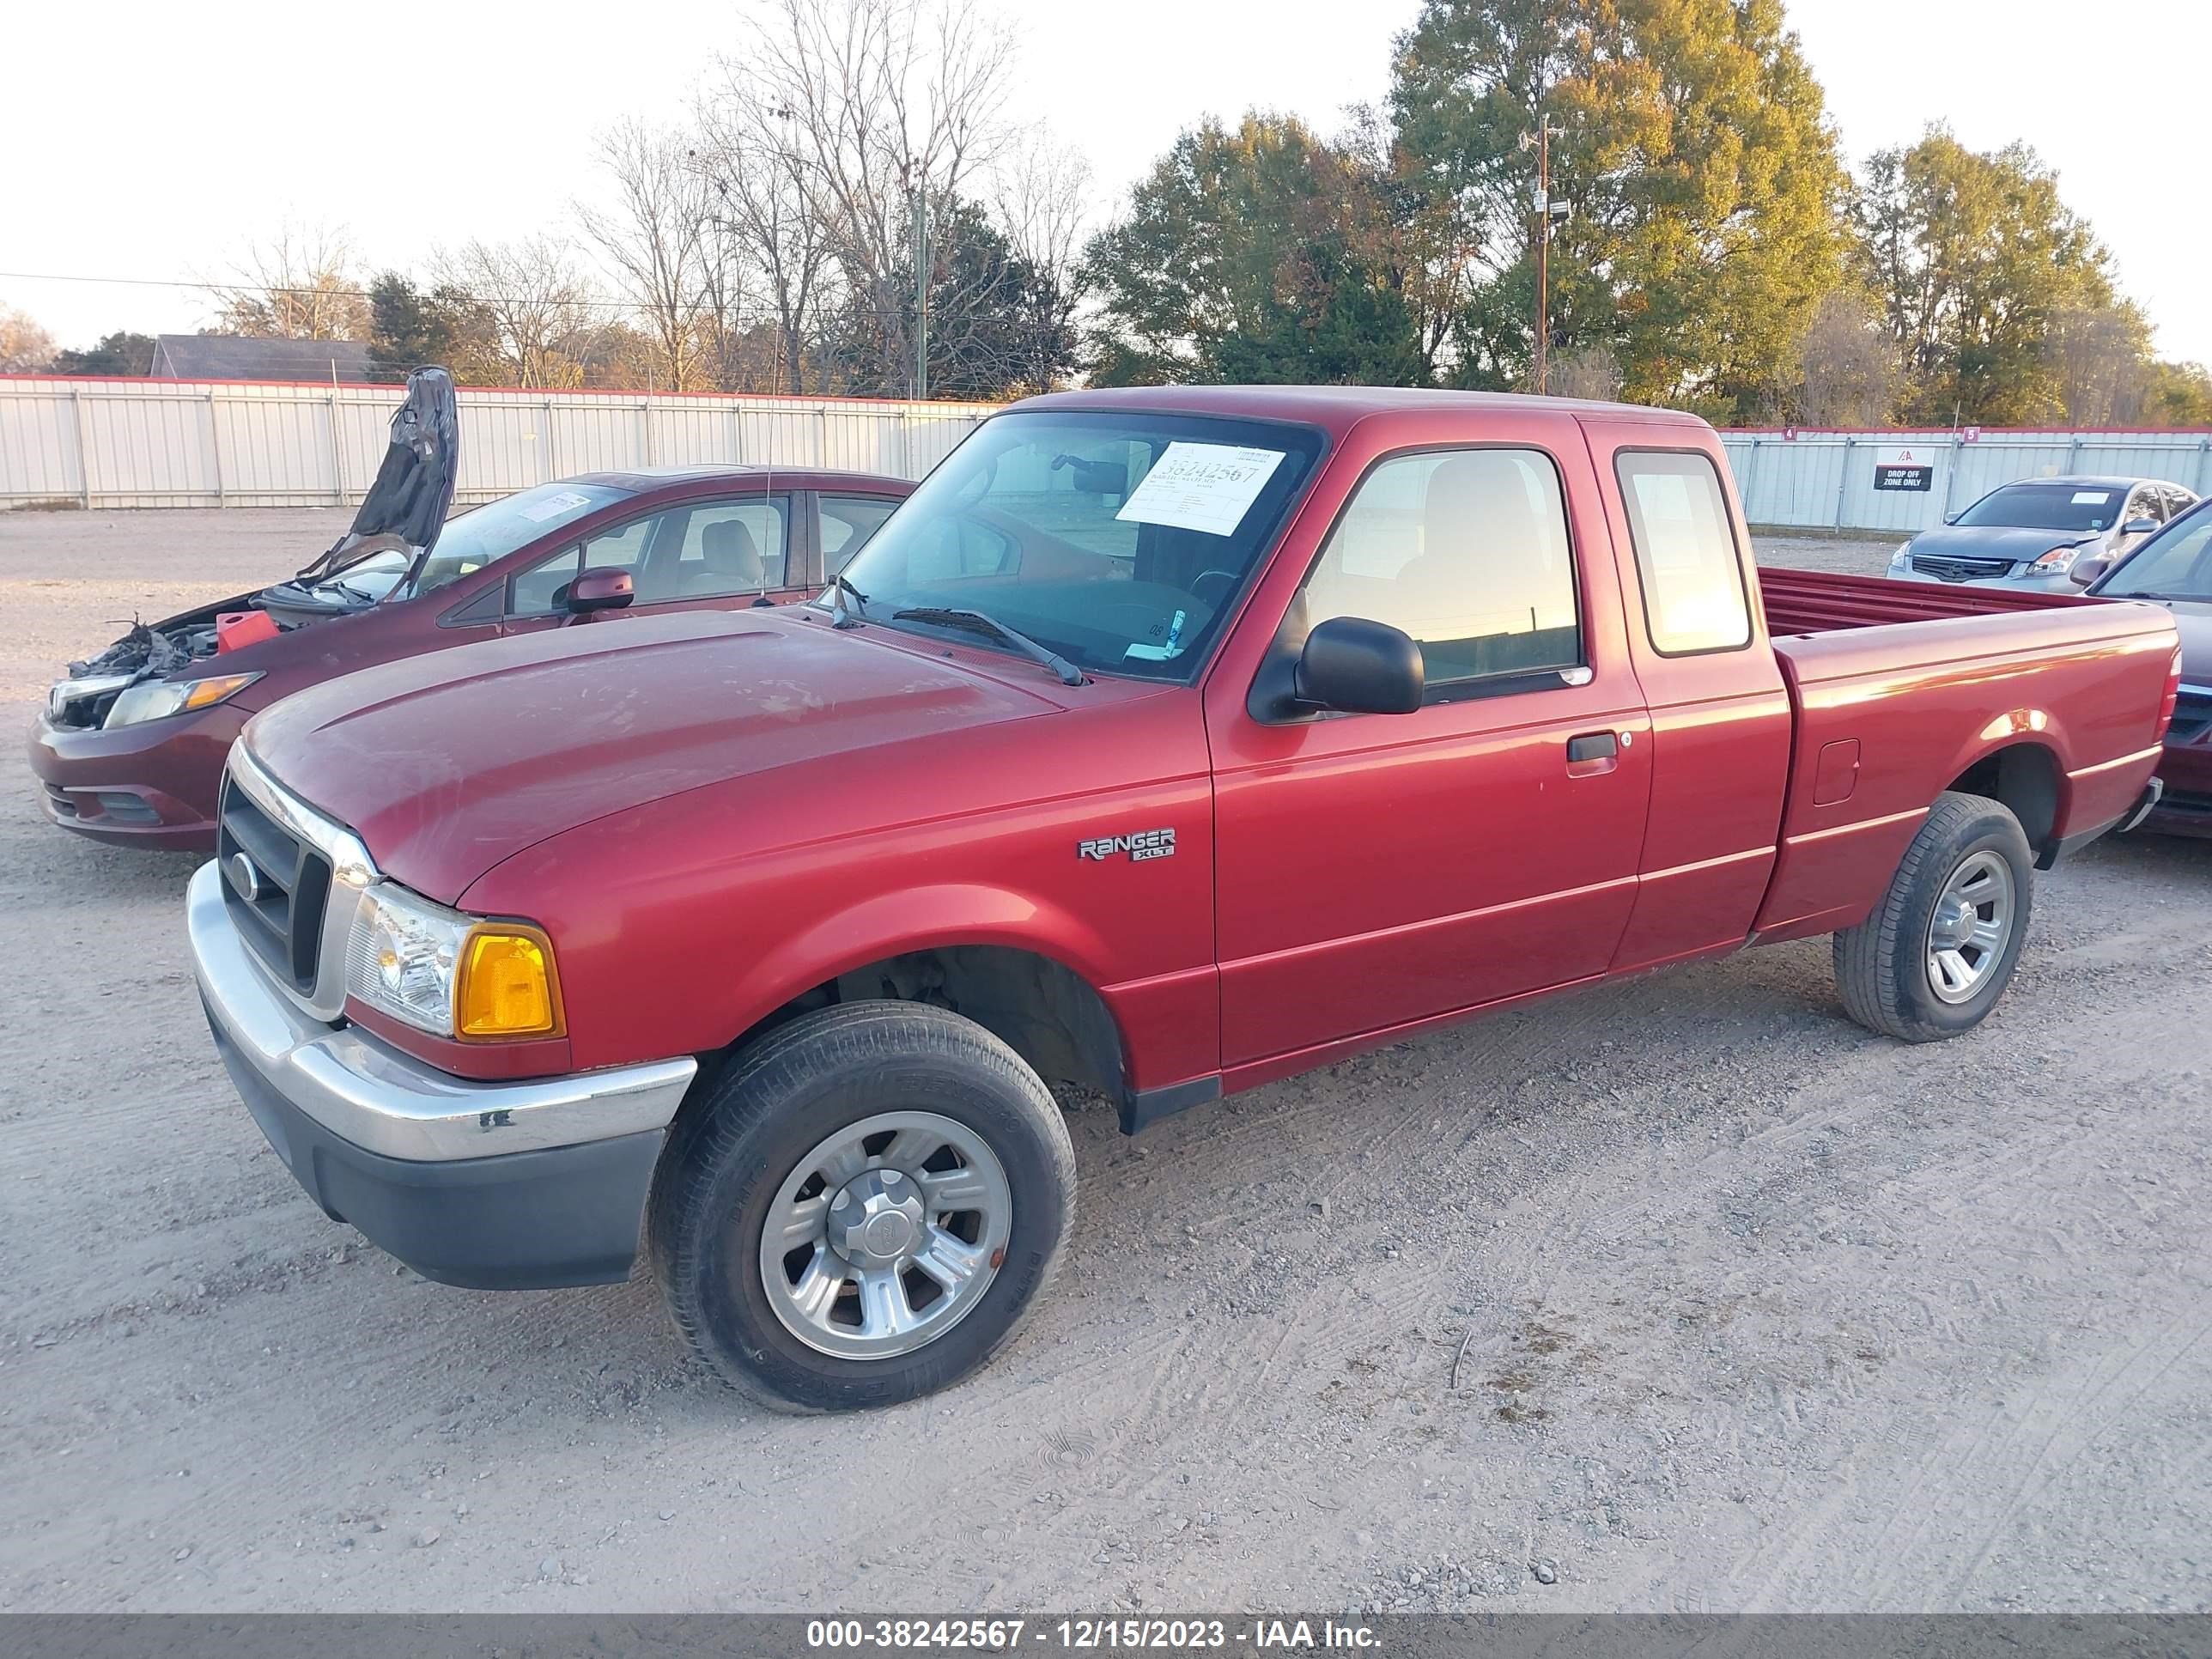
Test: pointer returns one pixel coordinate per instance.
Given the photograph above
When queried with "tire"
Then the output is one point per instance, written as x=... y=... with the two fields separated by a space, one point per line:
x=1891 y=969
x=879 y=1082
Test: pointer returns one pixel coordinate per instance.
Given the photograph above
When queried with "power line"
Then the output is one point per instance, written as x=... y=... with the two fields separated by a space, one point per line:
x=477 y=296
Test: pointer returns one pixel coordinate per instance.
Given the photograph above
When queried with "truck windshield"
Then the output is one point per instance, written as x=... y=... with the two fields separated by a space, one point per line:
x=2046 y=506
x=2176 y=565
x=1118 y=540
x=473 y=540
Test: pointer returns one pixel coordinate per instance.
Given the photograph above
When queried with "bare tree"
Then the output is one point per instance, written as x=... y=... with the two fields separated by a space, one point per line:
x=770 y=218
x=885 y=109
x=660 y=241
x=299 y=285
x=1041 y=193
x=1848 y=369
x=1041 y=189
x=1588 y=371
x=25 y=347
x=546 y=321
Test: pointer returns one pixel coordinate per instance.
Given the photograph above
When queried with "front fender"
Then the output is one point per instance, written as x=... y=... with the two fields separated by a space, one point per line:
x=892 y=924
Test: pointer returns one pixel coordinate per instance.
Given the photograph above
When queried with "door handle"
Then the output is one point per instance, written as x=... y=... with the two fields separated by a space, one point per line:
x=1592 y=746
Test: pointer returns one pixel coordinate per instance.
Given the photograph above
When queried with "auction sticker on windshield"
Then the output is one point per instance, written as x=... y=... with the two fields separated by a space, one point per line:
x=555 y=504
x=1208 y=487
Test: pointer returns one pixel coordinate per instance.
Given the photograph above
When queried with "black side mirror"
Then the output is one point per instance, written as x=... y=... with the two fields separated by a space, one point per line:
x=599 y=590
x=2082 y=572
x=1360 y=667
x=2140 y=527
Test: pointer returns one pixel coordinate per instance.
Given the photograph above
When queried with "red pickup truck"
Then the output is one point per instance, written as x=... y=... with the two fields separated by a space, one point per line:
x=1166 y=742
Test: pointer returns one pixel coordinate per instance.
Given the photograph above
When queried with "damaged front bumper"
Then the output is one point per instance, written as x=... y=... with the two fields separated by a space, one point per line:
x=154 y=784
x=497 y=1186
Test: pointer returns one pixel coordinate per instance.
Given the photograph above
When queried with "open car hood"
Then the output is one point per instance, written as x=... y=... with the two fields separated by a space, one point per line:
x=407 y=504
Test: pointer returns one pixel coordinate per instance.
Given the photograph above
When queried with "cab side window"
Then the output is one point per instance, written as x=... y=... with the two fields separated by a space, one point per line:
x=848 y=521
x=1467 y=551
x=1685 y=553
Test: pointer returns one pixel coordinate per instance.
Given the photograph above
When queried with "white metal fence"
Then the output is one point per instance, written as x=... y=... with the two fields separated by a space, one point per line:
x=1826 y=480
x=172 y=443
x=168 y=443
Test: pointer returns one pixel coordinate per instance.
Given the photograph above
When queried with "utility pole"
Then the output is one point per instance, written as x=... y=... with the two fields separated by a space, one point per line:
x=921 y=293
x=1541 y=141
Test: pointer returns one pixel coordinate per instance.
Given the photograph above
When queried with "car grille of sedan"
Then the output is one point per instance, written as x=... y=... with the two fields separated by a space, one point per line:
x=1959 y=570
x=274 y=886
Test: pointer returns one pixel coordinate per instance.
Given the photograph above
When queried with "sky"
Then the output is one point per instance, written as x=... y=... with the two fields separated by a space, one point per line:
x=153 y=140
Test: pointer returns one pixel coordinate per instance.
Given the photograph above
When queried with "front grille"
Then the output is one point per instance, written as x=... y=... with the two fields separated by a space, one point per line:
x=2192 y=717
x=274 y=886
x=62 y=801
x=1959 y=570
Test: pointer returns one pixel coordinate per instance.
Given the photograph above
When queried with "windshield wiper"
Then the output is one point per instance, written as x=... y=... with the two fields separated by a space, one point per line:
x=840 y=617
x=976 y=621
x=2162 y=599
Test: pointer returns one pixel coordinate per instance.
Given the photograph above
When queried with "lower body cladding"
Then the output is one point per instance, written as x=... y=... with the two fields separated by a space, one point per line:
x=495 y=1186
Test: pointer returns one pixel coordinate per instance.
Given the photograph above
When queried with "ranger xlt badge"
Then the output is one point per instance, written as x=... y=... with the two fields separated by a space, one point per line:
x=1144 y=844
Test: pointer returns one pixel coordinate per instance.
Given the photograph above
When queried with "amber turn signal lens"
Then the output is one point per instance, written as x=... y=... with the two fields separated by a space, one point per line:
x=214 y=690
x=507 y=988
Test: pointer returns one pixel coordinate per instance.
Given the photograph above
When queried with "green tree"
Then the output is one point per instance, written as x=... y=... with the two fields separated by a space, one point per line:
x=1708 y=200
x=409 y=328
x=119 y=353
x=1975 y=262
x=2178 y=394
x=1257 y=253
x=998 y=327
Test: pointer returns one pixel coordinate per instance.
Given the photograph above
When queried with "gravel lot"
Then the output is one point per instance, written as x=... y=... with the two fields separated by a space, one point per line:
x=1767 y=1313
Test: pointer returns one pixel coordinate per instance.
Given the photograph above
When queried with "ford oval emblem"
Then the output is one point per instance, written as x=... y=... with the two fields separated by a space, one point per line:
x=244 y=877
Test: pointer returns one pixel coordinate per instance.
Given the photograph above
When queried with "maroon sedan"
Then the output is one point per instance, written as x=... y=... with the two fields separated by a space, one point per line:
x=131 y=747
x=2174 y=568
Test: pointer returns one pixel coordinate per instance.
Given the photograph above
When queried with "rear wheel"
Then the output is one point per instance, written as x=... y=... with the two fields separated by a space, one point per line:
x=863 y=1207
x=1940 y=948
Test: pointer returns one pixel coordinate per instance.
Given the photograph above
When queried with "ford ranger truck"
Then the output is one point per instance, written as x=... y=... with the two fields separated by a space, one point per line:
x=1165 y=742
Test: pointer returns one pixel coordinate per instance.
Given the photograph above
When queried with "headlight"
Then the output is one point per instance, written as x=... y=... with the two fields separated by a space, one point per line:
x=150 y=700
x=452 y=975
x=1902 y=556
x=2058 y=558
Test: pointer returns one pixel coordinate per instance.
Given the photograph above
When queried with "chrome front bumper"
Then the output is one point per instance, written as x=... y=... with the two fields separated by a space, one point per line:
x=500 y=1186
x=367 y=1092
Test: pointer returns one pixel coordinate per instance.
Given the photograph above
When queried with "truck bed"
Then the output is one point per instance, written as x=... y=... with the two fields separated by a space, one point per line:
x=1800 y=602
x=1904 y=689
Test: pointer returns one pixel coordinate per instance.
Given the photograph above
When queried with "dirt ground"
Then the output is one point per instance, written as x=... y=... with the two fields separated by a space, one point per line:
x=1766 y=1313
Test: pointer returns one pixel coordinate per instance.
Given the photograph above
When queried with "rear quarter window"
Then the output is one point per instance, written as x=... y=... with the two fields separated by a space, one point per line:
x=1685 y=552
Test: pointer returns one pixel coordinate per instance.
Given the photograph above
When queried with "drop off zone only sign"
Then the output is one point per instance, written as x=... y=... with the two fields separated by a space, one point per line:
x=1904 y=467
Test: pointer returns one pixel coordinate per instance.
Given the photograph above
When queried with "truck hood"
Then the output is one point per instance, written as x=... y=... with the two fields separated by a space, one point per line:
x=447 y=764
x=1996 y=542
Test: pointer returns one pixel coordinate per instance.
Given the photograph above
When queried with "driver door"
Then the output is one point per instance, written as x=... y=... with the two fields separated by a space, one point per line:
x=1374 y=870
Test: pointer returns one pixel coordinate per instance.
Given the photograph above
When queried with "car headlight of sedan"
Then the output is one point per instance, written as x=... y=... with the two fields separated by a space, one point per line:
x=1902 y=557
x=2059 y=558
x=153 y=700
x=450 y=974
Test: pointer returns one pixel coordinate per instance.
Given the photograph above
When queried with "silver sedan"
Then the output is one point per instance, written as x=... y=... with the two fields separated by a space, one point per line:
x=2053 y=534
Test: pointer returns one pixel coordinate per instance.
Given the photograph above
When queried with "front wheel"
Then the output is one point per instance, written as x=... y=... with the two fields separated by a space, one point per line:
x=863 y=1208
x=1940 y=948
